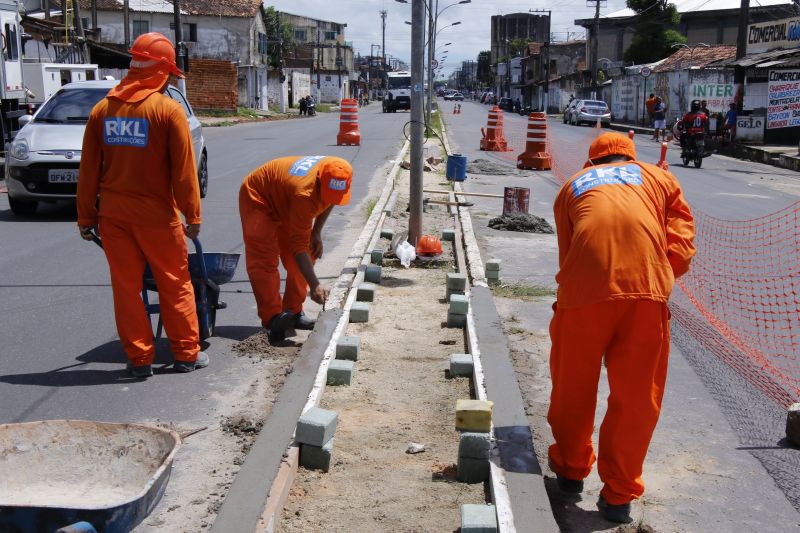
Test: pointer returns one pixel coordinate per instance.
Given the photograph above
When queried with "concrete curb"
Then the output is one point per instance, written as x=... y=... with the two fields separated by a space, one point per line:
x=274 y=489
x=516 y=478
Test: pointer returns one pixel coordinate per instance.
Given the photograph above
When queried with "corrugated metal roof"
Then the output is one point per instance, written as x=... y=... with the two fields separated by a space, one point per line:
x=690 y=6
x=226 y=8
x=764 y=59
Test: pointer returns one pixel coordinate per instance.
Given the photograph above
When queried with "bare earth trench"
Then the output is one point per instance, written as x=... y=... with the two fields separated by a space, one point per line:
x=400 y=394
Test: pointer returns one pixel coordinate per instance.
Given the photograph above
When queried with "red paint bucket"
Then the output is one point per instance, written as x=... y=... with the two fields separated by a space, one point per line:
x=515 y=200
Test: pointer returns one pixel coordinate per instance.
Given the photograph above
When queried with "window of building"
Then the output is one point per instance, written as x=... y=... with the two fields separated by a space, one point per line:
x=330 y=35
x=300 y=35
x=140 y=27
x=262 y=43
x=10 y=52
x=189 y=32
x=86 y=23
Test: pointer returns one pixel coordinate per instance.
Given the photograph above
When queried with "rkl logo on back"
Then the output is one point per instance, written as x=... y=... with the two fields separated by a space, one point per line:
x=124 y=131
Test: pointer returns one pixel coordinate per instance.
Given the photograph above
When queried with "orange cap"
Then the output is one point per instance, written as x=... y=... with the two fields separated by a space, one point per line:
x=153 y=61
x=335 y=177
x=429 y=245
x=611 y=144
x=152 y=48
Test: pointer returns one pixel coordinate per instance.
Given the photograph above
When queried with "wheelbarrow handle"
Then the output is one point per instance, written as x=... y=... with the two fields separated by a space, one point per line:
x=95 y=237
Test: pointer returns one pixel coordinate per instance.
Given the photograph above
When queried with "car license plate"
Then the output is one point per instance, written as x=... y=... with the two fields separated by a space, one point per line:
x=62 y=176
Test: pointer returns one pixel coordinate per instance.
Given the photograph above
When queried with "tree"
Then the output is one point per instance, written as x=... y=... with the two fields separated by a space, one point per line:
x=652 y=40
x=484 y=70
x=276 y=48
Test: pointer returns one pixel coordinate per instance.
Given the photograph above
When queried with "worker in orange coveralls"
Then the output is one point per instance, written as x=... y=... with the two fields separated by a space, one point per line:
x=284 y=205
x=624 y=234
x=138 y=157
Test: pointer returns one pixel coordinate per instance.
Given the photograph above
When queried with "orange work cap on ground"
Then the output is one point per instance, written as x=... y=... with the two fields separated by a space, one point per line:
x=611 y=144
x=335 y=177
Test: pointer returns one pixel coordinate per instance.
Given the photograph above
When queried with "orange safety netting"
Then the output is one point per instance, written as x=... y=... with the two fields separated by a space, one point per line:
x=744 y=281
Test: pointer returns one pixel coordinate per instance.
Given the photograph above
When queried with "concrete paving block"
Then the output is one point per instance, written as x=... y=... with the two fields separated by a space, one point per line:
x=457 y=282
x=493 y=265
x=478 y=518
x=376 y=256
x=474 y=445
x=340 y=372
x=793 y=424
x=461 y=365
x=448 y=293
x=348 y=348
x=316 y=457
x=474 y=415
x=372 y=274
x=365 y=292
x=449 y=235
x=493 y=275
x=456 y=321
x=459 y=304
x=359 y=312
x=387 y=234
x=316 y=427
x=472 y=470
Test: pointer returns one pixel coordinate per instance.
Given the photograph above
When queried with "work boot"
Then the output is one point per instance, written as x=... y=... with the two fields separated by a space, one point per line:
x=189 y=366
x=277 y=326
x=570 y=486
x=620 y=514
x=303 y=322
x=141 y=371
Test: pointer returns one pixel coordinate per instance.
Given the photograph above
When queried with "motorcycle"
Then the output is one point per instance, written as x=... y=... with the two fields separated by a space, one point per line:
x=694 y=149
x=525 y=110
x=311 y=109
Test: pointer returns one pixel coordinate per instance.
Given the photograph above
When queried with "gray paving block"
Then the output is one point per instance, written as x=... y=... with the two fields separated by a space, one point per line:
x=457 y=282
x=448 y=293
x=359 y=312
x=456 y=321
x=793 y=424
x=365 y=292
x=316 y=426
x=316 y=457
x=376 y=256
x=492 y=265
x=474 y=445
x=461 y=365
x=471 y=470
x=478 y=518
x=449 y=235
x=348 y=348
x=340 y=372
x=372 y=274
x=493 y=275
x=387 y=234
x=459 y=304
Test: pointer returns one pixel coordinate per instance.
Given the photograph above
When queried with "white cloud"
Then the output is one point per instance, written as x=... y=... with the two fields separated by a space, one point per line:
x=470 y=37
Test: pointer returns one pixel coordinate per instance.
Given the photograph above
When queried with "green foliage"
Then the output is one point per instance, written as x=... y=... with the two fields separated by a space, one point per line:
x=484 y=70
x=276 y=49
x=652 y=39
x=516 y=46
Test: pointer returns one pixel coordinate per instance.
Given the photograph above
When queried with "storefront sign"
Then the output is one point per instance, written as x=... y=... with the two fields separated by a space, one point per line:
x=764 y=36
x=783 y=99
x=750 y=128
x=716 y=95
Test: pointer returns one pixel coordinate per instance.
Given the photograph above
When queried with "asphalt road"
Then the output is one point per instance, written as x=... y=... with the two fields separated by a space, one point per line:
x=60 y=357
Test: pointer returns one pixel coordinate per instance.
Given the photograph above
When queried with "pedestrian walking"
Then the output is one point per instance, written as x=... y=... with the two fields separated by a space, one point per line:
x=730 y=121
x=284 y=205
x=659 y=119
x=625 y=233
x=649 y=105
x=138 y=159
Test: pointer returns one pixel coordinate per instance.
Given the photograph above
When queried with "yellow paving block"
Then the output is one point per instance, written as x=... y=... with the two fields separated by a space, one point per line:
x=474 y=415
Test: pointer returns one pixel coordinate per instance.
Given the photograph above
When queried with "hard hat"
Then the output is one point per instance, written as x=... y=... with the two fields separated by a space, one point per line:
x=152 y=48
x=695 y=106
x=429 y=245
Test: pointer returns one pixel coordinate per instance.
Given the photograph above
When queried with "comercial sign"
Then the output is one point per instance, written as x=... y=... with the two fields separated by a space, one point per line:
x=764 y=36
x=783 y=99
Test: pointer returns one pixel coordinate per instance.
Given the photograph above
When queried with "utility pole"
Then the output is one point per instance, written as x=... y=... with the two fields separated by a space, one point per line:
x=417 y=117
x=279 y=32
x=383 y=39
x=595 y=41
x=81 y=36
x=126 y=21
x=741 y=51
x=431 y=47
x=179 y=46
x=318 y=51
x=544 y=55
x=94 y=13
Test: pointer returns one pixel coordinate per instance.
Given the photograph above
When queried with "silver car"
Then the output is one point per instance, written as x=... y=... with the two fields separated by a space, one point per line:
x=43 y=160
x=589 y=111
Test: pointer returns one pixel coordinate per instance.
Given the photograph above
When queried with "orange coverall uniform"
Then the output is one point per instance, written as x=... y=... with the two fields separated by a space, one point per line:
x=138 y=156
x=624 y=234
x=278 y=203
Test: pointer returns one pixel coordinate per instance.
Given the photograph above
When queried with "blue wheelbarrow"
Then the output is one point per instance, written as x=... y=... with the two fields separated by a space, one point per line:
x=90 y=476
x=207 y=275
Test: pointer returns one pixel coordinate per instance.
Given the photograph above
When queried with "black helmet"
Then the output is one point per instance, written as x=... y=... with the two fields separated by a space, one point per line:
x=695 y=106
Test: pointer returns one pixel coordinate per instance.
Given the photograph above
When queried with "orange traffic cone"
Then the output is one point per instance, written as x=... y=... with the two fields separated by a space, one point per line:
x=348 y=125
x=535 y=156
x=493 y=138
x=662 y=163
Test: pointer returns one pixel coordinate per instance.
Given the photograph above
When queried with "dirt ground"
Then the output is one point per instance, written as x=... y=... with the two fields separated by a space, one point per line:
x=400 y=395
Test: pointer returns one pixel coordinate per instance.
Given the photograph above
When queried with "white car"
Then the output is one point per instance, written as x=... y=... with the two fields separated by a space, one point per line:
x=43 y=160
x=589 y=111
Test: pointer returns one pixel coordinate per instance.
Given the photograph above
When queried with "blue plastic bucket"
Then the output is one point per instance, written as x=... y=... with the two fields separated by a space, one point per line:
x=456 y=167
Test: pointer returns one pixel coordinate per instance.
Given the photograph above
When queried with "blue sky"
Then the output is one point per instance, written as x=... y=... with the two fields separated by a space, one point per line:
x=470 y=37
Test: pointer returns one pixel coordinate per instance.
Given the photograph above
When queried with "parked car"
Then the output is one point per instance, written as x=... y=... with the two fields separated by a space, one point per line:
x=43 y=160
x=506 y=104
x=454 y=96
x=589 y=111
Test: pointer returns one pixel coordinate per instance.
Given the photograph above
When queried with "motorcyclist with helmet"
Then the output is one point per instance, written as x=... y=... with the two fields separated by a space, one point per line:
x=695 y=121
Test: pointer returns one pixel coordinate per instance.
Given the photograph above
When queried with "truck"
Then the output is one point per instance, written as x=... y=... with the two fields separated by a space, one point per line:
x=43 y=80
x=398 y=91
x=13 y=95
